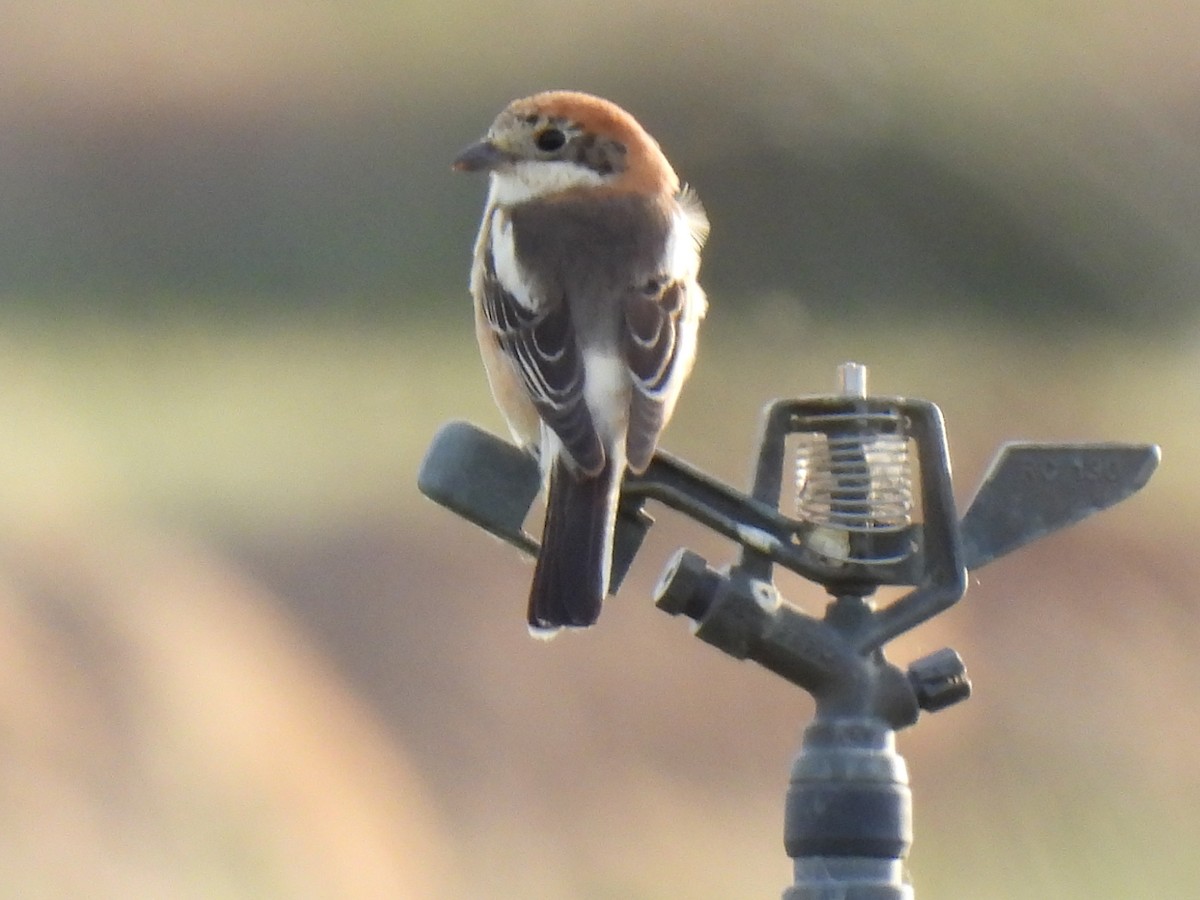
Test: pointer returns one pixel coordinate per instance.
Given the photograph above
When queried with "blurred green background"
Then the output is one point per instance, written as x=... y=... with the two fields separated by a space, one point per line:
x=241 y=657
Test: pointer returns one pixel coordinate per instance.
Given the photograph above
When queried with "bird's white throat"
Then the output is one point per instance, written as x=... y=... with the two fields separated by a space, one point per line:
x=530 y=179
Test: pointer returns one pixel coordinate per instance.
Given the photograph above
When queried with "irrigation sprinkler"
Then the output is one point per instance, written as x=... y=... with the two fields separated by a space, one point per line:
x=851 y=492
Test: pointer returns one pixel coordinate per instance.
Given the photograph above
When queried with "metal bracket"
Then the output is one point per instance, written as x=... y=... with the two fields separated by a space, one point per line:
x=1029 y=491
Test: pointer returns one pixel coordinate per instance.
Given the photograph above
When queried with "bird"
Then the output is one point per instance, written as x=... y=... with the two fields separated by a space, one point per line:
x=587 y=312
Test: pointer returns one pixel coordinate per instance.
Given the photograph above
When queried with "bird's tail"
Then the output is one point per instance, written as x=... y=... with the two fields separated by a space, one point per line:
x=571 y=577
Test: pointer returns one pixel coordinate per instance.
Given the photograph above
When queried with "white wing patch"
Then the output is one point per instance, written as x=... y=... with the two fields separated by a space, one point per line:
x=509 y=271
x=680 y=259
x=681 y=256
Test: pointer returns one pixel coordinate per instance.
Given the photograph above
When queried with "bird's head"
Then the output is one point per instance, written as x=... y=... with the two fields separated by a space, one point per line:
x=562 y=140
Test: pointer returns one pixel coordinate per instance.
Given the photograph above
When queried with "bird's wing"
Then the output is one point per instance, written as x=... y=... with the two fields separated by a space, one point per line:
x=538 y=338
x=652 y=336
x=661 y=316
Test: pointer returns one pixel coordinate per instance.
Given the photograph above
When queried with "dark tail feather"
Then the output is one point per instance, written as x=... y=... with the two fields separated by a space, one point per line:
x=571 y=577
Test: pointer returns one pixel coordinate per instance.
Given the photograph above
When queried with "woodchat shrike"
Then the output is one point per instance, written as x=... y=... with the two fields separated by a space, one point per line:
x=586 y=311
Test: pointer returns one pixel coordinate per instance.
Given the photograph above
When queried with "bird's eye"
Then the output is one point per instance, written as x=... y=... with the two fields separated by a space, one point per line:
x=549 y=139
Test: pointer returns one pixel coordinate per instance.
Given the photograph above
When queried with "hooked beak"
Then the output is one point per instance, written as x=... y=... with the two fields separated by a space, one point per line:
x=483 y=156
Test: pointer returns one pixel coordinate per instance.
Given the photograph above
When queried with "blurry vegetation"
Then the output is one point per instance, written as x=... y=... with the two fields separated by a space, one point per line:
x=979 y=157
